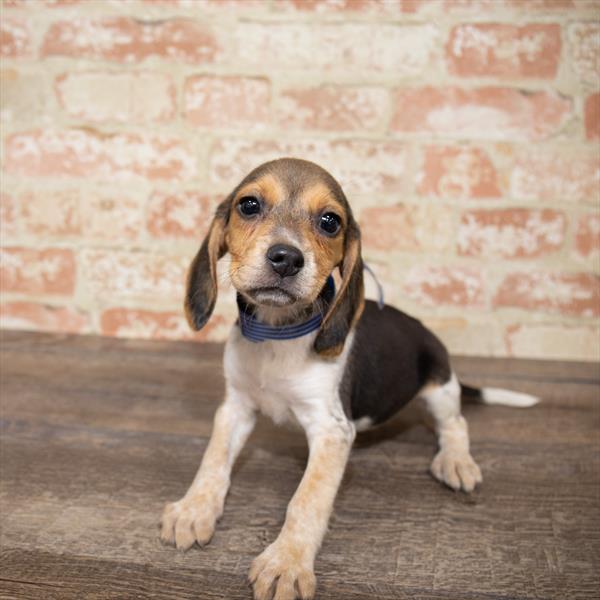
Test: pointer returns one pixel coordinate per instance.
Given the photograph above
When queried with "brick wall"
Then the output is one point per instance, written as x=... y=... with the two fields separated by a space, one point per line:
x=466 y=134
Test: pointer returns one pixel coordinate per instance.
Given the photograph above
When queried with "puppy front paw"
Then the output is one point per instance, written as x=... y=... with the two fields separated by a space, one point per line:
x=283 y=572
x=456 y=469
x=189 y=520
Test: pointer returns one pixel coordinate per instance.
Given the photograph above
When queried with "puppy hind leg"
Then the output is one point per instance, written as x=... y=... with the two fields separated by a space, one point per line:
x=453 y=464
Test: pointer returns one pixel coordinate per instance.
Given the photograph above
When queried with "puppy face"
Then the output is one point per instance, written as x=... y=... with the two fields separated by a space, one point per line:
x=287 y=226
x=285 y=238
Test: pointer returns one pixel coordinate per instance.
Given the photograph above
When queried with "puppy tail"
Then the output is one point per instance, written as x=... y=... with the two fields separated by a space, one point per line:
x=490 y=395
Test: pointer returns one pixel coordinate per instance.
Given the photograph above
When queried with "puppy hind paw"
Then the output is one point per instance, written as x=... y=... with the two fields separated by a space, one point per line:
x=457 y=470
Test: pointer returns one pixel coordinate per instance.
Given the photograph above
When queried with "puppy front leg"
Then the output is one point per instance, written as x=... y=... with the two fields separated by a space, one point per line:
x=286 y=566
x=193 y=518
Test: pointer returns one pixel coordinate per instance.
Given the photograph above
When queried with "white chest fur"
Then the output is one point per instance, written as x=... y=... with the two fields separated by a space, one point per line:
x=285 y=379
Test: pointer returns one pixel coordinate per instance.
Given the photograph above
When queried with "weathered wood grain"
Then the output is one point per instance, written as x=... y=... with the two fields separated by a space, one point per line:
x=97 y=434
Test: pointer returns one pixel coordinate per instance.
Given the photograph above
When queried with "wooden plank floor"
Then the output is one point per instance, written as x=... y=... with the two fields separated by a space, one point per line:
x=97 y=434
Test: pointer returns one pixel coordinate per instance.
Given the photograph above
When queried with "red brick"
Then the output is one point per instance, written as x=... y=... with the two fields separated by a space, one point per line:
x=68 y=213
x=184 y=215
x=340 y=6
x=9 y=215
x=15 y=39
x=333 y=108
x=42 y=317
x=23 y=96
x=488 y=112
x=592 y=117
x=553 y=341
x=574 y=294
x=324 y=6
x=214 y=5
x=360 y=166
x=404 y=227
x=51 y=213
x=511 y=233
x=212 y=101
x=587 y=236
x=404 y=50
x=584 y=42
x=147 y=324
x=111 y=217
x=439 y=286
x=545 y=5
x=46 y=3
x=414 y=6
x=234 y=5
x=355 y=6
x=90 y=154
x=115 y=274
x=124 y=39
x=489 y=6
x=458 y=172
x=568 y=177
x=28 y=270
x=123 y=97
x=389 y=228
x=503 y=50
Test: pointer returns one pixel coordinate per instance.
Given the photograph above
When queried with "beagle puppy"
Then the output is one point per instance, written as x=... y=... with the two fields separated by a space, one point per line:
x=302 y=352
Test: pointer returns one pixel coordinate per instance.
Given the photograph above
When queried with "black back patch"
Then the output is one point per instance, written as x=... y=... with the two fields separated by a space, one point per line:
x=393 y=356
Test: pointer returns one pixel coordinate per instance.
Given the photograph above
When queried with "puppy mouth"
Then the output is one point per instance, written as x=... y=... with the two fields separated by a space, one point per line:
x=271 y=296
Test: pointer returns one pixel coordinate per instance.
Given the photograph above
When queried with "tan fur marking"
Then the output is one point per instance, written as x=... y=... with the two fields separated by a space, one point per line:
x=268 y=187
x=248 y=239
x=328 y=251
x=216 y=245
x=350 y=259
x=294 y=551
x=242 y=238
x=193 y=518
x=333 y=351
x=318 y=198
x=243 y=235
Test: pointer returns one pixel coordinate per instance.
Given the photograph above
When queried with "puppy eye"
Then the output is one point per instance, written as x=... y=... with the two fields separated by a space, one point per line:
x=249 y=206
x=330 y=223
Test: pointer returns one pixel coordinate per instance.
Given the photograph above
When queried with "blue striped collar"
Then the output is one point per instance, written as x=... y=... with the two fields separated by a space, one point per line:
x=255 y=331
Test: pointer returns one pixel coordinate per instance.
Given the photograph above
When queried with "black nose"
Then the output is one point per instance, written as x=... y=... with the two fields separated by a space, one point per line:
x=285 y=260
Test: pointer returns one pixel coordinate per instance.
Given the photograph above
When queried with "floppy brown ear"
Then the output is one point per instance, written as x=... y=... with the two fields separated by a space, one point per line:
x=201 y=293
x=348 y=303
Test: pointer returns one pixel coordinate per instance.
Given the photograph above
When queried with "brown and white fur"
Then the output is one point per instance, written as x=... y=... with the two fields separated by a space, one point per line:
x=358 y=369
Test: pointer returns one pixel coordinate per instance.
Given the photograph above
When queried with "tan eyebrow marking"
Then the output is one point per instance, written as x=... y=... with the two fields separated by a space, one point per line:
x=267 y=187
x=327 y=251
x=318 y=197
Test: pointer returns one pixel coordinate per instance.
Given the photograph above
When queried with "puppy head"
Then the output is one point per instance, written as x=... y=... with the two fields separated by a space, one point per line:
x=287 y=226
